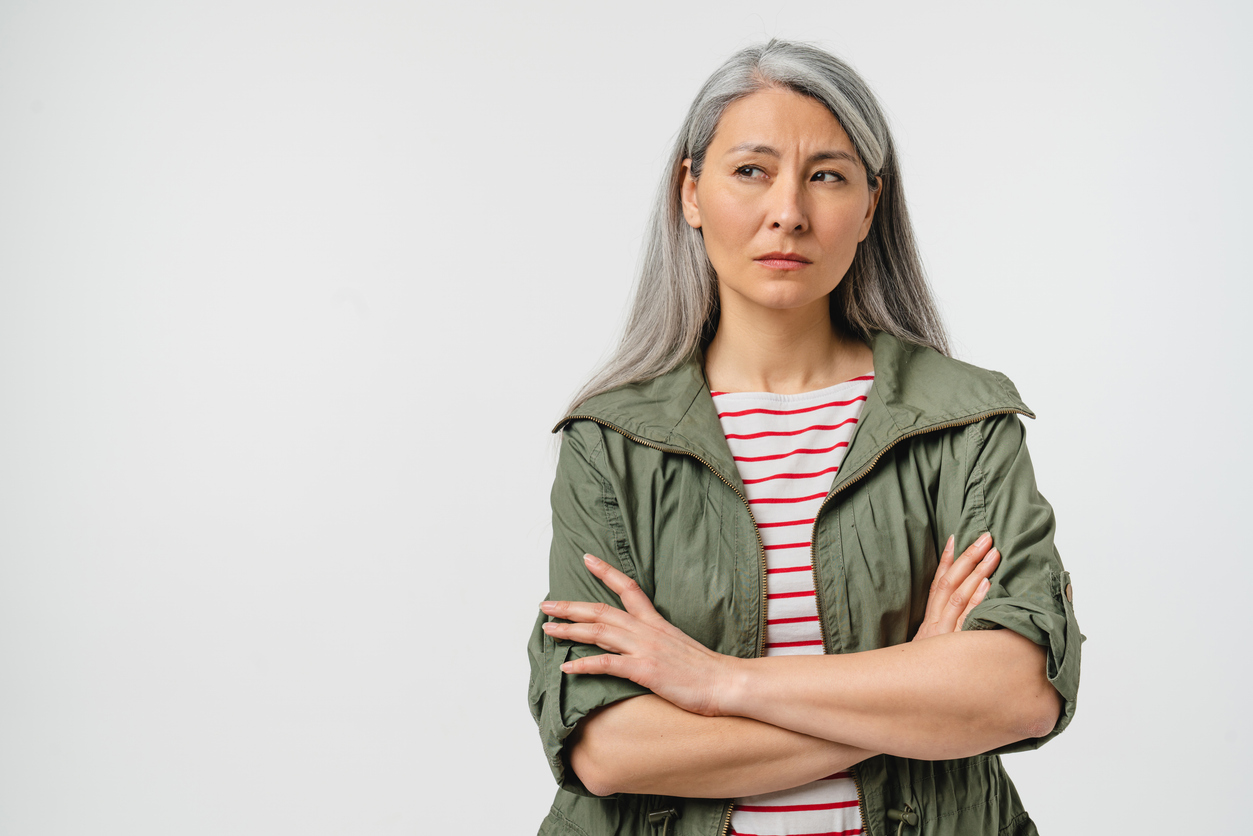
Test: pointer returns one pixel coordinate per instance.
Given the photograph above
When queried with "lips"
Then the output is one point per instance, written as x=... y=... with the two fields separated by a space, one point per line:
x=782 y=261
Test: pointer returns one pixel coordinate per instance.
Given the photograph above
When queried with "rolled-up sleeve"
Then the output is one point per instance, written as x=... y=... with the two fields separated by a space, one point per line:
x=586 y=520
x=1031 y=592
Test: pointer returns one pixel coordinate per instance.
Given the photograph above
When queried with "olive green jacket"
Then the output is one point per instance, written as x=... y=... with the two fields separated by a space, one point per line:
x=645 y=481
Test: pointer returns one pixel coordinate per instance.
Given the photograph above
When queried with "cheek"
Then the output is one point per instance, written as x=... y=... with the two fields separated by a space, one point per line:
x=844 y=231
x=726 y=222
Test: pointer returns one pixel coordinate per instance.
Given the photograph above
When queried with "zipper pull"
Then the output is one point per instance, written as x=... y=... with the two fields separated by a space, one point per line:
x=905 y=817
x=663 y=818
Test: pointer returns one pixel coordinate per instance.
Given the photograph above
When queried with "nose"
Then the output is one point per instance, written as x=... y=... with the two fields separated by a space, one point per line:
x=787 y=211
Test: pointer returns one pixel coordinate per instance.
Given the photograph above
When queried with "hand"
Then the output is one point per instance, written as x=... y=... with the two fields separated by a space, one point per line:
x=643 y=647
x=958 y=587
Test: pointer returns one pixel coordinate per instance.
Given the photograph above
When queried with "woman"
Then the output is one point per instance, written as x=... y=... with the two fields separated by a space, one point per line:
x=769 y=467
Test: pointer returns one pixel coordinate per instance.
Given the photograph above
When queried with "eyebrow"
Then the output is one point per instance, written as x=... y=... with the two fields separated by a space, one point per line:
x=821 y=156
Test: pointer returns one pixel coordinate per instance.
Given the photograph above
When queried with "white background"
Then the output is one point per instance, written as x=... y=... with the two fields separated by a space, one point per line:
x=290 y=294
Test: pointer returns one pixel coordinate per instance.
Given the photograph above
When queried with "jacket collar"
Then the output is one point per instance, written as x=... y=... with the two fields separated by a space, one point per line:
x=915 y=390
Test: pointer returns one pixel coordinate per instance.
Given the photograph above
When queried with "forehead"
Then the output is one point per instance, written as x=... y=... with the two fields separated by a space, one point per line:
x=779 y=117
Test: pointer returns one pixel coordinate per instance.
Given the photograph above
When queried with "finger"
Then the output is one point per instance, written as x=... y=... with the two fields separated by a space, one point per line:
x=958 y=600
x=633 y=598
x=960 y=571
x=946 y=558
x=619 y=582
x=970 y=558
x=946 y=585
x=978 y=571
x=587 y=611
x=981 y=591
x=604 y=636
x=946 y=562
x=606 y=663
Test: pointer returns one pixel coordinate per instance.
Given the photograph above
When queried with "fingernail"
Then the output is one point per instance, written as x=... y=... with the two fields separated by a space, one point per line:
x=990 y=556
x=566 y=667
x=985 y=539
x=547 y=626
x=590 y=560
x=545 y=606
x=948 y=547
x=985 y=583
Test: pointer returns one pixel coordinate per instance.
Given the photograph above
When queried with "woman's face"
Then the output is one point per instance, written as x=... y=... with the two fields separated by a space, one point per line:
x=782 y=202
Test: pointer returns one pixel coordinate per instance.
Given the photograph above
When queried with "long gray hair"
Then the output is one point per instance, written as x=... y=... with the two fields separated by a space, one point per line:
x=675 y=312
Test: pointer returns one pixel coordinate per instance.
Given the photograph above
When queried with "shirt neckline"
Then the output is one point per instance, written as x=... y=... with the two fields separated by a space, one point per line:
x=861 y=381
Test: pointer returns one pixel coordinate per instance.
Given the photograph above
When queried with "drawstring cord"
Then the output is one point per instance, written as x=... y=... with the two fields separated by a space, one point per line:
x=663 y=818
x=905 y=817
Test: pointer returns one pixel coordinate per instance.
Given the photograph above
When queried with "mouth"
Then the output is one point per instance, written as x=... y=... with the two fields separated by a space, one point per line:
x=782 y=261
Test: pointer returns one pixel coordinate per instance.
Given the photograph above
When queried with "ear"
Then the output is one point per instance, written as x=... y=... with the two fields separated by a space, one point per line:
x=874 y=202
x=687 y=195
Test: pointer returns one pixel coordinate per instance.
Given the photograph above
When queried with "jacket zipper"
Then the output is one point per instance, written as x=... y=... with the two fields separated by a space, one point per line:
x=813 y=555
x=761 y=549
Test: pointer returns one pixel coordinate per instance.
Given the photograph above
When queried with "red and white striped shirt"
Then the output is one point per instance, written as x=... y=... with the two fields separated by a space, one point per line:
x=788 y=449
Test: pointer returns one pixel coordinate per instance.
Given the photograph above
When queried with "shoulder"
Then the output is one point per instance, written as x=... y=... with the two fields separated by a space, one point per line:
x=650 y=409
x=582 y=442
x=924 y=398
x=671 y=413
x=920 y=386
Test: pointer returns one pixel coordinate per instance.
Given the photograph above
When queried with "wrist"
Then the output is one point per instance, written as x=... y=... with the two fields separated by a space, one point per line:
x=733 y=688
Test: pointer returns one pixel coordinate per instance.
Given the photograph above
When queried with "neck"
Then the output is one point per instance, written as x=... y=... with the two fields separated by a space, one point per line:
x=782 y=351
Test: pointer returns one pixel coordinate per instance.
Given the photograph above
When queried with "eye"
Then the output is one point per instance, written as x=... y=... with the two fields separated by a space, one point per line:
x=829 y=177
x=750 y=172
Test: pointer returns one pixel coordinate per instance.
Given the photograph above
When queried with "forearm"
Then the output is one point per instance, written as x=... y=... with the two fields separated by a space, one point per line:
x=648 y=745
x=951 y=696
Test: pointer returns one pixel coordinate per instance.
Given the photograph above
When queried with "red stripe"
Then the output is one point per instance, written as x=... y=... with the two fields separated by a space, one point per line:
x=716 y=394
x=789 y=411
x=768 y=433
x=792 y=476
x=838 y=775
x=792 y=620
x=787 y=545
x=804 y=568
x=794 y=644
x=772 y=500
x=795 y=452
x=790 y=594
x=853 y=832
x=785 y=522
x=793 y=808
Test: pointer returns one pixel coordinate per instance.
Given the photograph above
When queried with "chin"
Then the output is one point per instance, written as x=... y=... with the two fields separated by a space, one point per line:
x=783 y=293
x=788 y=301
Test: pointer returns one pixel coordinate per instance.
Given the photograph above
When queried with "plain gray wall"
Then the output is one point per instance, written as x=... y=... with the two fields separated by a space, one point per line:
x=290 y=294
